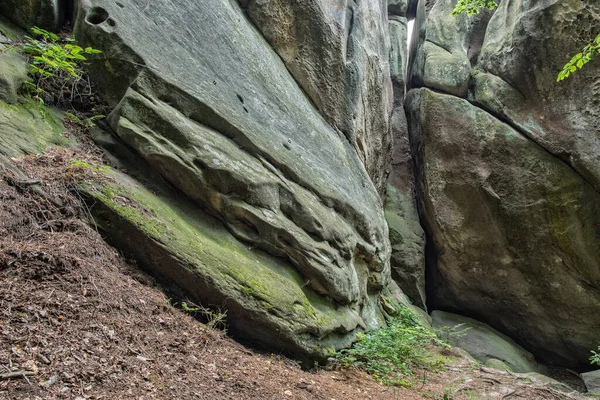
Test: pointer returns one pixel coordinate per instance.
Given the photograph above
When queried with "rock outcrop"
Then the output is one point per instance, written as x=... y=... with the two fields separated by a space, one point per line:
x=483 y=343
x=507 y=170
x=213 y=109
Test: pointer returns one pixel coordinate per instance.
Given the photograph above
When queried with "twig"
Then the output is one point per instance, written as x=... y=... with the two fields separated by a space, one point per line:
x=506 y=396
x=17 y=374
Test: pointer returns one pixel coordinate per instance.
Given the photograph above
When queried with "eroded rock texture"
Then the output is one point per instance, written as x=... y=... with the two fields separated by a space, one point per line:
x=203 y=98
x=338 y=54
x=508 y=170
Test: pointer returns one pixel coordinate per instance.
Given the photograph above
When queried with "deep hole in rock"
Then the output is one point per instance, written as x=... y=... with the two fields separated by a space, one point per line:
x=97 y=16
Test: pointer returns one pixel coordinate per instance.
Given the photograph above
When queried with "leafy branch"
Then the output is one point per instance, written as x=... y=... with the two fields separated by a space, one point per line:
x=595 y=357
x=580 y=59
x=56 y=64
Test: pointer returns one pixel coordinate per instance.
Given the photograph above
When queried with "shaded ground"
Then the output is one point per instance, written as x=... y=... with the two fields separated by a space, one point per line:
x=83 y=323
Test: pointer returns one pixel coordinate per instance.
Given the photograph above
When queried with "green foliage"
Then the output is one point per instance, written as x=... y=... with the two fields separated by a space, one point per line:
x=595 y=357
x=390 y=353
x=580 y=59
x=471 y=7
x=51 y=57
x=56 y=64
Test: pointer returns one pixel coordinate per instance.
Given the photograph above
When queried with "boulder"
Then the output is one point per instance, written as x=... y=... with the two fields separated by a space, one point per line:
x=515 y=231
x=219 y=116
x=525 y=47
x=509 y=181
x=397 y=7
x=445 y=47
x=592 y=382
x=484 y=343
x=338 y=54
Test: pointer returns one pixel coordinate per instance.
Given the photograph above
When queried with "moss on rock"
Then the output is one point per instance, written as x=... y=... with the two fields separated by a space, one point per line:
x=267 y=300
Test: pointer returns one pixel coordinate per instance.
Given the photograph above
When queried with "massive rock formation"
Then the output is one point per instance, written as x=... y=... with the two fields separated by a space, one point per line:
x=202 y=97
x=508 y=174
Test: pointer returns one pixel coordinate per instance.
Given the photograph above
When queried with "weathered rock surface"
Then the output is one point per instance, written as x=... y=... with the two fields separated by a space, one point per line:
x=592 y=382
x=445 y=47
x=46 y=14
x=524 y=48
x=221 y=118
x=13 y=72
x=266 y=299
x=516 y=230
x=510 y=196
x=338 y=54
x=25 y=126
x=484 y=343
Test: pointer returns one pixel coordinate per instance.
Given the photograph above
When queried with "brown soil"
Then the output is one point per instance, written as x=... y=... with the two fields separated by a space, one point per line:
x=83 y=323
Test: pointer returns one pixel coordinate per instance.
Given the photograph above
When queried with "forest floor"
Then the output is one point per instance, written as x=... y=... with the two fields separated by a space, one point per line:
x=79 y=321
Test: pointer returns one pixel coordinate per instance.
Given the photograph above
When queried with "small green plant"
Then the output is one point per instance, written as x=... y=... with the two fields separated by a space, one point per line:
x=449 y=333
x=82 y=121
x=595 y=357
x=389 y=354
x=580 y=59
x=471 y=7
x=55 y=63
x=93 y=167
x=214 y=319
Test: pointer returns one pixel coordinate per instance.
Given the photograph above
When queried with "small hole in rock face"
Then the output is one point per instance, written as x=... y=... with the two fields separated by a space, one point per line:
x=119 y=4
x=240 y=98
x=245 y=109
x=97 y=16
x=111 y=22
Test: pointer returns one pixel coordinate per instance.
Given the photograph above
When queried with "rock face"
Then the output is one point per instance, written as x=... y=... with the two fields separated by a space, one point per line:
x=219 y=116
x=508 y=180
x=46 y=14
x=592 y=382
x=338 y=54
x=484 y=343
